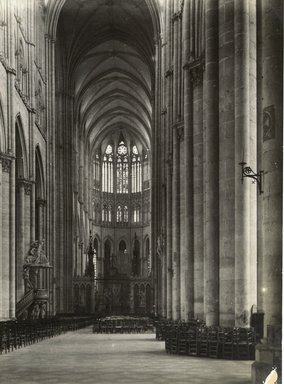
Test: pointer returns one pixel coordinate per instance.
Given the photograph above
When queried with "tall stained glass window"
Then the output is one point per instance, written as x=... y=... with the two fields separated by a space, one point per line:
x=107 y=170
x=136 y=174
x=122 y=168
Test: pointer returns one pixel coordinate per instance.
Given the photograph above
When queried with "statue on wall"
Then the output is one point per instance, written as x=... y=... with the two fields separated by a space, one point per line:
x=36 y=254
x=90 y=252
x=160 y=245
x=27 y=281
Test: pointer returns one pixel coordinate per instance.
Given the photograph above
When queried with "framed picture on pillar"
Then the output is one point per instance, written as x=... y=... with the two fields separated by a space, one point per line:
x=268 y=123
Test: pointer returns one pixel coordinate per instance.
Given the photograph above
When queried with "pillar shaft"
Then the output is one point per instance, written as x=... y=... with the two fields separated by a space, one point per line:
x=20 y=239
x=211 y=164
x=227 y=162
x=2 y=291
x=244 y=147
x=187 y=292
x=197 y=209
x=6 y=240
x=271 y=157
x=169 y=242
x=176 y=228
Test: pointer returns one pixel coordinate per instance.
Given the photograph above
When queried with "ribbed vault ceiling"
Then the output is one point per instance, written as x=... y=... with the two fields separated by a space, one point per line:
x=108 y=50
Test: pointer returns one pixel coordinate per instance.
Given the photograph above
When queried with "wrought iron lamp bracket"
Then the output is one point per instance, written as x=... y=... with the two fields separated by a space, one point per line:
x=256 y=177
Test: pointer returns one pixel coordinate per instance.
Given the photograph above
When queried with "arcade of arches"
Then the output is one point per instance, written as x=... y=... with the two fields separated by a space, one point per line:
x=123 y=124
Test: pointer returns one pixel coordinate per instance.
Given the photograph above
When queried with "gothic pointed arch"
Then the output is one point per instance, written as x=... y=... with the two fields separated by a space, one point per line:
x=39 y=196
x=21 y=150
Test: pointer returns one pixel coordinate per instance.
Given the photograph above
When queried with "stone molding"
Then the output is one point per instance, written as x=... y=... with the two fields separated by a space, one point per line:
x=24 y=98
x=39 y=69
x=5 y=64
x=19 y=22
x=180 y=133
x=41 y=129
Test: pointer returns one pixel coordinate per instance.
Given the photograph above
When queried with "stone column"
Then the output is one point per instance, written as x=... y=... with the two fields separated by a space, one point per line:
x=2 y=291
x=40 y=203
x=7 y=285
x=197 y=209
x=211 y=165
x=270 y=203
x=245 y=148
x=187 y=277
x=51 y=163
x=20 y=239
x=169 y=239
x=176 y=227
x=227 y=163
x=169 y=175
x=11 y=151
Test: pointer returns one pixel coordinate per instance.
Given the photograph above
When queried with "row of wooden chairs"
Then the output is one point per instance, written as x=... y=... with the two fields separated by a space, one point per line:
x=163 y=327
x=122 y=325
x=18 y=334
x=213 y=342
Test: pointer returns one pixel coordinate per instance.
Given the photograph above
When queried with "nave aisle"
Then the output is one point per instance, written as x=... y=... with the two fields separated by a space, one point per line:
x=87 y=358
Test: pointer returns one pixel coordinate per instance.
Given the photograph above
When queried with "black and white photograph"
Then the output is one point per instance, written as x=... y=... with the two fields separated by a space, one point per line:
x=141 y=191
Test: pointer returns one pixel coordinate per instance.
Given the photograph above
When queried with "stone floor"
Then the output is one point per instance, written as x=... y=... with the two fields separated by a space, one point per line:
x=83 y=357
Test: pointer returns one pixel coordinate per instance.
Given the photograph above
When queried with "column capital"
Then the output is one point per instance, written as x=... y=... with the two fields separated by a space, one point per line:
x=41 y=202
x=50 y=38
x=178 y=15
x=195 y=66
x=6 y=160
x=169 y=72
x=27 y=184
x=164 y=111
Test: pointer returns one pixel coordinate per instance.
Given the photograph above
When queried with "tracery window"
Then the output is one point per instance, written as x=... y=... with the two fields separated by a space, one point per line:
x=107 y=170
x=122 y=168
x=136 y=214
x=119 y=214
x=96 y=171
x=106 y=213
x=146 y=170
x=136 y=170
x=125 y=214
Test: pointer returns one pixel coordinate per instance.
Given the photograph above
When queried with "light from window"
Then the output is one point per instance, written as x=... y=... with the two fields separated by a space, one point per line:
x=119 y=214
x=125 y=214
x=122 y=168
x=136 y=214
x=107 y=170
x=136 y=178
